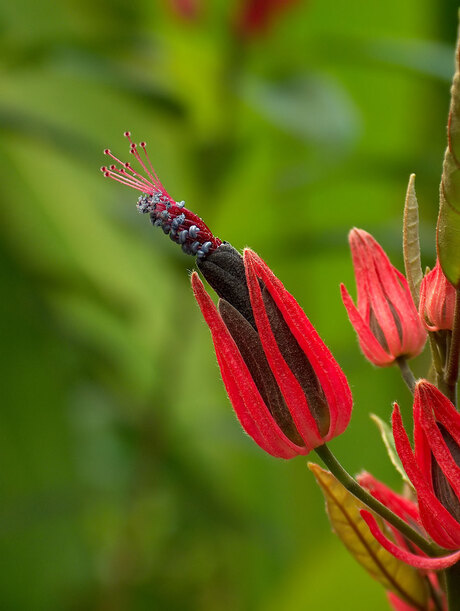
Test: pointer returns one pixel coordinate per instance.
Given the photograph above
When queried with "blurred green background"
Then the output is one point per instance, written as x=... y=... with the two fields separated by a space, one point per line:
x=125 y=480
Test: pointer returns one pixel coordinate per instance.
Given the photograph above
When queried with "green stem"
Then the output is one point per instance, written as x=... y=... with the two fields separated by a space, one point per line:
x=453 y=586
x=358 y=491
x=406 y=373
x=454 y=354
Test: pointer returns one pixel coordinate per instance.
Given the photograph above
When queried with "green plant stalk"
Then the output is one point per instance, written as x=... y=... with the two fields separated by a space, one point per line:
x=358 y=491
x=454 y=354
x=406 y=373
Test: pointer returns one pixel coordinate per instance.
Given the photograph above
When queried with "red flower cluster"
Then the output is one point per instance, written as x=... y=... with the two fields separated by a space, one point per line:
x=287 y=390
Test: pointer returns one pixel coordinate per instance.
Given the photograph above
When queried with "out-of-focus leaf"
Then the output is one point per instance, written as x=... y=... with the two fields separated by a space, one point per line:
x=449 y=205
x=411 y=241
x=388 y=440
x=343 y=510
x=311 y=108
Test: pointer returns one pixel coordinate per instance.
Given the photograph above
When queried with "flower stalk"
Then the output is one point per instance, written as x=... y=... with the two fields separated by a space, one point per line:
x=360 y=493
x=454 y=354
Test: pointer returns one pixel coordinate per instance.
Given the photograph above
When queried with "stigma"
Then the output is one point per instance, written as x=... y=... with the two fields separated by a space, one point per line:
x=183 y=226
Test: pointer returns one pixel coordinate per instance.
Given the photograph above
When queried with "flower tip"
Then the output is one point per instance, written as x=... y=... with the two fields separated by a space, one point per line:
x=195 y=280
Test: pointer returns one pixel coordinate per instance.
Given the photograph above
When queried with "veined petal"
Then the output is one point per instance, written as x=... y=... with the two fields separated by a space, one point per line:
x=438 y=522
x=376 y=279
x=250 y=409
x=444 y=410
x=331 y=377
x=370 y=346
x=418 y=562
x=289 y=386
x=439 y=448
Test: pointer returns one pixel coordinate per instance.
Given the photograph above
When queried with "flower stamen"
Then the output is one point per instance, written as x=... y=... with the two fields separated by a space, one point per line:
x=183 y=226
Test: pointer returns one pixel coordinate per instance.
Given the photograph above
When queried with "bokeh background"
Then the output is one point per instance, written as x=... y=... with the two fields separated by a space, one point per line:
x=125 y=480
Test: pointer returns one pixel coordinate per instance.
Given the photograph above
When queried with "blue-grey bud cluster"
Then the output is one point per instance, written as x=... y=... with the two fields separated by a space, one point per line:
x=173 y=221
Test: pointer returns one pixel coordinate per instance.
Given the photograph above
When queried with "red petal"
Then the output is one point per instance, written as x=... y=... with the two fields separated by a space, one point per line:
x=444 y=410
x=246 y=400
x=331 y=377
x=289 y=386
x=436 y=441
x=438 y=522
x=418 y=562
x=372 y=260
x=370 y=346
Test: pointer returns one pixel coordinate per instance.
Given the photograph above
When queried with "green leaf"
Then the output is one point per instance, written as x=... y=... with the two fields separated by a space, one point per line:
x=411 y=241
x=448 y=231
x=388 y=439
x=343 y=511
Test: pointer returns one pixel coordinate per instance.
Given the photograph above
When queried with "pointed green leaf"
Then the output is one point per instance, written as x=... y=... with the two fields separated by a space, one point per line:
x=448 y=231
x=387 y=438
x=343 y=510
x=411 y=241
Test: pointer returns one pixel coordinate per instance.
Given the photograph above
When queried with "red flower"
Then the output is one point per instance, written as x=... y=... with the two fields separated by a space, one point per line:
x=434 y=470
x=287 y=390
x=188 y=9
x=386 y=320
x=256 y=16
x=437 y=300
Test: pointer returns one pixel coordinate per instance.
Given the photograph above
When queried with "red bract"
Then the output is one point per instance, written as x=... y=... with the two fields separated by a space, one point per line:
x=386 y=319
x=437 y=300
x=287 y=390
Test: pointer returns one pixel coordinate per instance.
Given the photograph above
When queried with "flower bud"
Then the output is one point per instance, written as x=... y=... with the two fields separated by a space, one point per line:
x=437 y=300
x=286 y=388
x=386 y=319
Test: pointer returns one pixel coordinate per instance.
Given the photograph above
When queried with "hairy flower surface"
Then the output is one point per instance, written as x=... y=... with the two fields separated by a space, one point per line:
x=386 y=319
x=433 y=467
x=437 y=300
x=287 y=390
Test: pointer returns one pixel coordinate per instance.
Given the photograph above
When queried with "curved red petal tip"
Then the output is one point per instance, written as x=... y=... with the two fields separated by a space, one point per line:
x=418 y=562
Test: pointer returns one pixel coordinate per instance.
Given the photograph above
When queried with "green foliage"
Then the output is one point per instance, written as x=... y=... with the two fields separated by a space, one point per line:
x=125 y=480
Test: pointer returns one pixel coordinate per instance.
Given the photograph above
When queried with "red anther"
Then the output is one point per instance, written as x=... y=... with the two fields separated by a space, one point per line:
x=113 y=167
x=127 y=134
x=106 y=174
x=106 y=151
x=143 y=144
x=104 y=168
